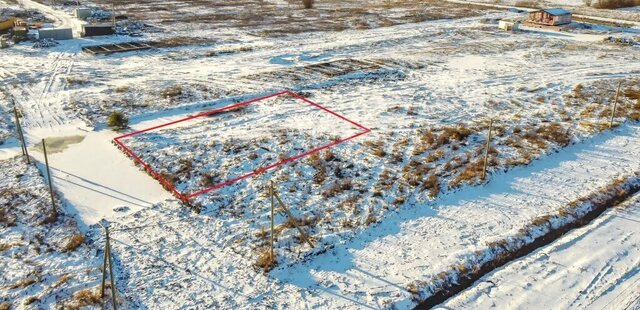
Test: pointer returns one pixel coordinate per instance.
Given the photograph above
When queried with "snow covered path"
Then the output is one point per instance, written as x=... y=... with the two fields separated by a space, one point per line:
x=94 y=177
x=420 y=242
x=594 y=267
x=63 y=20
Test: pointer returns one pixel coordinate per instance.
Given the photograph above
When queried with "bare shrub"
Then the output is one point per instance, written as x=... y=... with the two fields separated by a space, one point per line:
x=308 y=4
x=76 y=81
x=615 y=4
x=73 y=243
x=172 y=92
x=5 y=306
x=528 y=4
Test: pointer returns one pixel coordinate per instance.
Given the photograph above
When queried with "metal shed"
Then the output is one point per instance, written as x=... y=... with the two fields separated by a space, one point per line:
x=551 y=17
x=56 y=33
x=82 y=13
x=97 y=30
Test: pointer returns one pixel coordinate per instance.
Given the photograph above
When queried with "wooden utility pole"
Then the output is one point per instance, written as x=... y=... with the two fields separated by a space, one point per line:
x=271 y=193
x=113 y=13
x=46 y=161
x=293 y=220
x=107 y=259
x=486 y=152
x=23 y=143
x=615 y=106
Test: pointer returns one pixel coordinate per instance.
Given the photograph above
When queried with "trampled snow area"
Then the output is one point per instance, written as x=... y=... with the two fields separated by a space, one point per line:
x=594 y=267
x=386 y=212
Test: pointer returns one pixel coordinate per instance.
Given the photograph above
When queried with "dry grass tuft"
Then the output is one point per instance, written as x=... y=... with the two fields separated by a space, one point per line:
x=472 y=173
x=265 y=260
x=5 y=306
x=22 y=283
x=172 y=92
x=433 y=185
x=377 y=148
x=84 y=298
x=73 y=243
x=62 y=280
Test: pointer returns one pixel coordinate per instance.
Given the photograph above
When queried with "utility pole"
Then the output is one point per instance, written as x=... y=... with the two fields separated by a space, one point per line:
x=615 y=106
x=46 y=160
x=271 y=193
x=293 y=220
x=107 y=259
x=25 y=152
x=113 y=13
x=486 y=152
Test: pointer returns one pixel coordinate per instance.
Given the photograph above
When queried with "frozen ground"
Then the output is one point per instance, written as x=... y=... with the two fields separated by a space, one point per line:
x=594 y=267
x=426 y=90
x=43 y=257
x=168 y=246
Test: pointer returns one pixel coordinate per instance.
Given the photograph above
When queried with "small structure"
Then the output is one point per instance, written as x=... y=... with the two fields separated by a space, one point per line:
x=20 y=31
x=55 y=33
x=3 y=42
x=508 y=25
x=97 y=30
x=106 y=49
x=82 y=13
x=7 y=24
x=550 y=17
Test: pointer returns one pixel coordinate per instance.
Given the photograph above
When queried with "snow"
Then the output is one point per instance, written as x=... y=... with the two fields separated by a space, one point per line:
x=399 y=81
x=372 y=270
x=595 y=267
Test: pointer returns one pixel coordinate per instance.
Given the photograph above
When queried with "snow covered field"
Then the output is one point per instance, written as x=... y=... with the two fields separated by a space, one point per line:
x=388 y=212
x=594 y=267
x=43 y=256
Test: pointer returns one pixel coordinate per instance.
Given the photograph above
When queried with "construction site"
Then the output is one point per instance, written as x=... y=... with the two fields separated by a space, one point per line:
x=330 y=154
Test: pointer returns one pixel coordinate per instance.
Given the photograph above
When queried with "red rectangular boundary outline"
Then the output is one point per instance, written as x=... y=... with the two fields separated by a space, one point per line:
x=247 y=175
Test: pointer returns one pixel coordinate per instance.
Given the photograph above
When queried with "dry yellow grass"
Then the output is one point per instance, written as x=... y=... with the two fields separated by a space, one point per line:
x=265 y=260
x=73 y=243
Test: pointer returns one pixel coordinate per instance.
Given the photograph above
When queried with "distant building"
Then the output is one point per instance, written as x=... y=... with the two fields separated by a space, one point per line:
x=550 y=17
x=507 y=25
x=82 y=13
x=56 y=34
x=97 y=30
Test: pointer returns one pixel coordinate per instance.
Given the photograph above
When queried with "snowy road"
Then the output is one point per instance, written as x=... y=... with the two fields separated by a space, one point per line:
x=594 y=267
x=62 y=19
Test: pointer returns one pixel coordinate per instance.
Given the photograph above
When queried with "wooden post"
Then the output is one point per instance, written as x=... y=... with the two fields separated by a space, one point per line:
x=46 y=160
x=104 y=262
x=107 y=260
x=23 y=143
x=15 y=113
x=615 y=105
x=113 y=279
x=271 y=191
x=487 y=148
x=113 y=13
x=293 y=220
